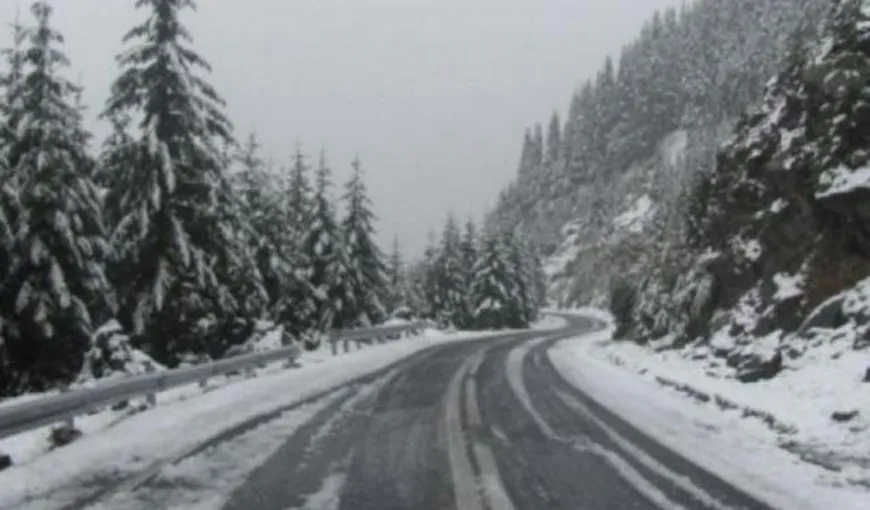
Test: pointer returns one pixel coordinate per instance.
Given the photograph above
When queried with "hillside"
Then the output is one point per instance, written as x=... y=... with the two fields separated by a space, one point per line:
x=688 y=77
x=713 y=190
x=728 y=235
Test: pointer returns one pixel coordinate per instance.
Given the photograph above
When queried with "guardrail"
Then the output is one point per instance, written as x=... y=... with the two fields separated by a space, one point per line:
x=66 y=406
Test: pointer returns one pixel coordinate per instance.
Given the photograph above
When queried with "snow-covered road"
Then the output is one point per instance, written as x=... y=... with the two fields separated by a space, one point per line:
x=119 y=449
x=523 y=420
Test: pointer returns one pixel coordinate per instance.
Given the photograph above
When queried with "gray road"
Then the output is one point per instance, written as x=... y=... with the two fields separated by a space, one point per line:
x=484 y=425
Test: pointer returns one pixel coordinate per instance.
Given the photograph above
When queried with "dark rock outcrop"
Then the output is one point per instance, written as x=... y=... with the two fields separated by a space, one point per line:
x=828 y=315
x=844 y=416
x=757 y=369
x=62 y=436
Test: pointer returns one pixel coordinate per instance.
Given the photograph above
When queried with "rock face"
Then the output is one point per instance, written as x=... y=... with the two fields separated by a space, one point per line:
x=755 y=369
x=777 y=243
x=62 y=436
x=867 y=376
x=844 y=416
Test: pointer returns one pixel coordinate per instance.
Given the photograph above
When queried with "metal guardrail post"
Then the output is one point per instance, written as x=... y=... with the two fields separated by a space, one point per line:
x=70 y=422
x=151 y=398
x=333 y=343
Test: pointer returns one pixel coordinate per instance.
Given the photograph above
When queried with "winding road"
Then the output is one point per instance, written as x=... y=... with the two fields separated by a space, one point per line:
x=487 y=424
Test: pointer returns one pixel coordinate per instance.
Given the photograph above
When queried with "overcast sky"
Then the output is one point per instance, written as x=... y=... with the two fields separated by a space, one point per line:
x=433 y=94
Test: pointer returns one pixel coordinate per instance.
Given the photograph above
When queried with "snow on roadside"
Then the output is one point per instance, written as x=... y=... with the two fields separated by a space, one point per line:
x=180 y=421
x=206 y=481
x=623 y=377
x=27 y=446
x=590 y=312
x=549 y=322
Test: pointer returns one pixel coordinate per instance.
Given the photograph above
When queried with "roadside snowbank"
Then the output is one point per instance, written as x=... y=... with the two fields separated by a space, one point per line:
x=729 y=426
x=589 y=312
x=550 y=322
x=127 y=445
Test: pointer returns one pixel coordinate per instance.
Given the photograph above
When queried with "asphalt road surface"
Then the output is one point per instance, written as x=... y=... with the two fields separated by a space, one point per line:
x=473 y=426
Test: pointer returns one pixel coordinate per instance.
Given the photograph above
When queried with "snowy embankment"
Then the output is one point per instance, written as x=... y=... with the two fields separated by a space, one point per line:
x=757 y=436
x=119 y=444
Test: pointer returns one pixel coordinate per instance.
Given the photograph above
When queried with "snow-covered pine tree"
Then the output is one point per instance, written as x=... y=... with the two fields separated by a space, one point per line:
x=243 y=296
x=452 y=280
x=13 y=58
x=259 y=209
x=428 y=277
x=537 y=279
x=469 y=255
x=54 y=288
x=327 y=260
x=278 y=258
x=554 y=140
x=397 y=287
x=299 y=197
x=10 y=78
x=491 y=285
x=841 y=72
x=365 y=259
x=299 y=305
x=520 y=307
x=175 y=255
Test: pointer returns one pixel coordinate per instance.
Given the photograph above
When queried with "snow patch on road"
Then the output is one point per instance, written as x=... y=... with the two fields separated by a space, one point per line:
x=207 y=481
x=329 y=495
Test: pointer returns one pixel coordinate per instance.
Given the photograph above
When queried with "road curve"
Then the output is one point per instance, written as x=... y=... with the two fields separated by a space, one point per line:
x=475 y=426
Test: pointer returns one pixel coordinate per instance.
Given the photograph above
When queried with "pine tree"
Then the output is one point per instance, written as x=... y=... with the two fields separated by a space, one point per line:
x=299 y=200
x=469 y=255
x=554 y=140
x=277 y=241
x=54 y=288
x=367 y=268
x=253 y=224
x=397 y=297
x=428 y=278
x=175 y=256
x=491 y=286
x=10 y=82
x=841 y=72
x=451 y=278
x=527 y=155
x=518 y=309
x=14 y=59
x=9 y=197
x=414 y=290
x=328 y=265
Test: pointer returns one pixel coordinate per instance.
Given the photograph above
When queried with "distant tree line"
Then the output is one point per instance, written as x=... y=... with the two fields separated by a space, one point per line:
x=476 y=280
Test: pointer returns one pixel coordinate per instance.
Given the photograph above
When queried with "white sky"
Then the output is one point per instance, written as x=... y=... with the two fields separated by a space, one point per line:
x=433 y=94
